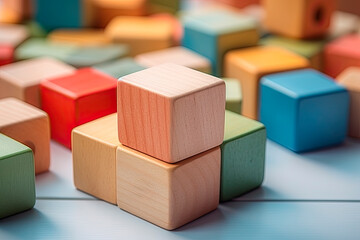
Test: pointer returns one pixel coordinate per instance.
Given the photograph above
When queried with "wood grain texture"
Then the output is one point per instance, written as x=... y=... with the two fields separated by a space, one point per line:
x=171 y=112
x=28 y=125
x=82 y=37
x=142 y=34
x=176 y=55
x=94 y=147
x=21 y=80
x=233 y=95
x=168 y=195
x=13 y=35
x=350 y=78
x=249 y=65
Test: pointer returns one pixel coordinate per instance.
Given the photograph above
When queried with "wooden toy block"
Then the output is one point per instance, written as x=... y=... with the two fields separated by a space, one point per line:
x=14 y=11
x=350 y=79
x=106 y=10
x=177 y=27
x=22 y=79
x=176 y=55
x=351 y=6
x=17 y=177
x=310 y=49
x=28 y=125
x=12 y=35
x=35 y=29
x=168 y=195
x=179 y=109
x=75 y=99
x=249 y=65
x=6 y=54
x=304 y=110
x=141 y=34
x=64 y=13
x=298 y=18
x=233 y=95
x=341 y=54
x=94 y=147
x=342 y=23
x=242 y=156
x=81 y=37
x=241 y=3
x=160 y=6
x=213 y=33
x=119 y=68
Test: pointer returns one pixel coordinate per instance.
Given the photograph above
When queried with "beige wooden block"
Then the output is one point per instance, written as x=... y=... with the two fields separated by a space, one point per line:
x=350 y=78
x=81 y=37
x=343 y=23
x=12 y=34
x=94 y=147
x=168 y=195
x=22 y=79
x=176 y=55
x=142 y=34
x=28 y=125
x=171 y=112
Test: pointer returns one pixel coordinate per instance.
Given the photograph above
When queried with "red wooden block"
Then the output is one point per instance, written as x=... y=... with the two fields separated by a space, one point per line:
x=341 y=54
x=6 y=54
x=76 y=99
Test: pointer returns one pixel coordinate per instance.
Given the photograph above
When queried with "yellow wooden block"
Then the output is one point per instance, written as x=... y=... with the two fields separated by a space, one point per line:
x=28 y=125
x=168 y=195
x=249 y=65
x=94 y=147
x=82 y=37
x=142 y=34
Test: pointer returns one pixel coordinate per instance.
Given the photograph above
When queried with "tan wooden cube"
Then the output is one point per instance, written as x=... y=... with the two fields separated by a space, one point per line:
x=168 y=195
x=22 y=79
x=177 y=55
x=12 y=34
x=81 y=37
x=171 y=112
x=28 y=125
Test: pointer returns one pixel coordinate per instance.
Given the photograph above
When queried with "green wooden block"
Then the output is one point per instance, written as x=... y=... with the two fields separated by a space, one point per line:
x=233 y=95
x=160 y=6
x=35 y=30
x=17 y=177
x=242 y=156
x=119 y=68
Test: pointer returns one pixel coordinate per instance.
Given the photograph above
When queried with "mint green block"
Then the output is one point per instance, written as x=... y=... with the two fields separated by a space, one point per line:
x=242 y=156
x=17 y=177
x=233 y=95
x=120 y=67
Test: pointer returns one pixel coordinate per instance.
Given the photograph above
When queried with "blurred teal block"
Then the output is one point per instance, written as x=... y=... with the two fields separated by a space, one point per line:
x=119 y=68
x=213 y=33
x=304 y=110
x=17 y=177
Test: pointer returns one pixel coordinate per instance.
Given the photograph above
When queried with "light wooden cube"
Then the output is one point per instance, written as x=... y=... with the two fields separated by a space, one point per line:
x=343 y=23
x=12 y=35
x=350 y=78
x=82 y=37
x=94 y=147
x=142 y=34
x=249 y=65
x=176 y=55
x=168 y=195
x=233 y=95
x=21 y=80
x=28 y=125
x=179 y=109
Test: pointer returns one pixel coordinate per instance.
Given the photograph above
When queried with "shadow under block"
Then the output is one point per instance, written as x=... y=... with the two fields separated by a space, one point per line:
x=176 y=55
x=249 y=65
x=213 y=33
x=242 y=156
x=17 y=177
x=28 y=125
x=298 y=18
x=81 y=37
x=75 y=99
x=179 y=109
x=12 y=34
x=6 y=54
x=350 y=79
x=304 y=110
x=233 y=95
x=141 y=34
x=120 y=67
x=168 y=195
x=94 y=147
x=22 y=79
x=341 y=54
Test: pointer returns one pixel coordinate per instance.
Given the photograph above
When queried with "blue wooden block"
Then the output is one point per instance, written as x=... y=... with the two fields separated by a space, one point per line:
x=304 y=109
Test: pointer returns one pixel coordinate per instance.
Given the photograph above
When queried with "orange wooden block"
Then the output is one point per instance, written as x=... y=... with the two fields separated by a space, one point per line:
x=171 y=112
x=350 y=78
x=178 y=55
x=21 y=79
x=14 y=11
x=168 y=195
x=12 y=34
x=142 y=34
x=298 y=18
x=249 y=65
x=178 y=30
x=81 y=37
x=28 y=125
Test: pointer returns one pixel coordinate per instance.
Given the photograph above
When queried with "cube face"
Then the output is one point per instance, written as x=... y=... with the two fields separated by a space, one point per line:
x=17 y=191
x=170 y=105
x=304 y=110
x=233 y=95
x=177 y=193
